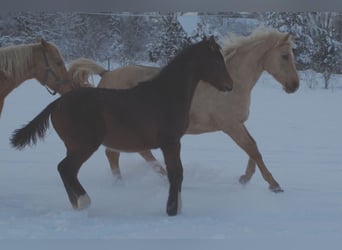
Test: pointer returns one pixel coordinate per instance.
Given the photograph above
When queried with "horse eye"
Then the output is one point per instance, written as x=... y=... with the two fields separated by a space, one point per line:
x=285 y=57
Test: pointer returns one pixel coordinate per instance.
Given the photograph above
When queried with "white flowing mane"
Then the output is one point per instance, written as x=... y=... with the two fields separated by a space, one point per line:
x=81 y=68
x=234 y=42
x=15 y=60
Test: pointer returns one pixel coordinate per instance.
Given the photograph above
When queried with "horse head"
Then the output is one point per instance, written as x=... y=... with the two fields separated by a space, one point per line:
x=51 y=71
x=279 y=62
x=214 y=71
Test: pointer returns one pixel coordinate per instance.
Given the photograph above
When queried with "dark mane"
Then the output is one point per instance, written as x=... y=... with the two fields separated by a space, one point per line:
x=181 y=58
x=178 y=63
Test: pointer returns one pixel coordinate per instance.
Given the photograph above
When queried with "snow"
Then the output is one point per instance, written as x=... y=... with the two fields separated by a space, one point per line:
x=299 y=136
x=189 y=22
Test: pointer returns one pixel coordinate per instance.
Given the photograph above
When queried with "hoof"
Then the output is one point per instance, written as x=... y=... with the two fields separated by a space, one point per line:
x=171 y=210
x=244 y=179
x=117 y=179
x=83 y=202
x=174 y=207
x=116 y=174
x=159 y=169
x=276 y=189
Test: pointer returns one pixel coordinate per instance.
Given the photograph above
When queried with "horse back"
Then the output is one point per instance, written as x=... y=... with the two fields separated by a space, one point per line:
x=127 y=77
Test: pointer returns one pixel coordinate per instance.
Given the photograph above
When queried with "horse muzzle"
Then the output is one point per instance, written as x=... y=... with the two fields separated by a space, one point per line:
x=291 y=88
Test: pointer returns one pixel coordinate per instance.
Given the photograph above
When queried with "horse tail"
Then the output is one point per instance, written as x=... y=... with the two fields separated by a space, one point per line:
x=80 y=70
x=28 y=134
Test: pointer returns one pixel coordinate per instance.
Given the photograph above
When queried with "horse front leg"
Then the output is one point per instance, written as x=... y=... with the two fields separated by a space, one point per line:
x=113 y=159
x=152 y=161
x=174 y=167
x=68 y=169
x=241 y=136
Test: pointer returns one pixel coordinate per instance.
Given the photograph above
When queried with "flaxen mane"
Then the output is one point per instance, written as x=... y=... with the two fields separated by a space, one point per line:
x=81 y=68
x=234 y=42
x=14 y=60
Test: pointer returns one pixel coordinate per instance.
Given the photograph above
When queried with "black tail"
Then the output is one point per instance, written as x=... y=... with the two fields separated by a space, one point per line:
x=35 y=129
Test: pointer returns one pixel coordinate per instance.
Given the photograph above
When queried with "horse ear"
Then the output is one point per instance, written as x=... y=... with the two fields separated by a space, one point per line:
x=212 y=39
x=42 y=42
x=212 y=43
x=38 y=39
x=204 y=38
x=286 y=38
x=292 y=37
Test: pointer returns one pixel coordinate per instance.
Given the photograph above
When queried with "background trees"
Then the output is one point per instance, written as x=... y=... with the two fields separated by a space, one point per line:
x=125 y=38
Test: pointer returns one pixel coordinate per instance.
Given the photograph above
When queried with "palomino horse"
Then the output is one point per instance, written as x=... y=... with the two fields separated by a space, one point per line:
x=41 y=61
x=246 y=58
x=154 y=114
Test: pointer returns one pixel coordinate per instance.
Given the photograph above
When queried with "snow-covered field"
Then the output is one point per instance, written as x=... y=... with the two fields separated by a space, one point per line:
x=299 y=136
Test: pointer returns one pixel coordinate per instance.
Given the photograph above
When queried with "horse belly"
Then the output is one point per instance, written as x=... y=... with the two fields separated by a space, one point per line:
x=130 y=140
x=201 y=123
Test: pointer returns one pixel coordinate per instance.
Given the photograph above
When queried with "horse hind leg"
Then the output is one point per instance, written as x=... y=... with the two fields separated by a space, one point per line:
x=152 y=161
x=68 y=169
x=113 y=159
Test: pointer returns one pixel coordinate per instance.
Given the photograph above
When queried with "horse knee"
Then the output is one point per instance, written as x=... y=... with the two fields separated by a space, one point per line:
x=61 y=167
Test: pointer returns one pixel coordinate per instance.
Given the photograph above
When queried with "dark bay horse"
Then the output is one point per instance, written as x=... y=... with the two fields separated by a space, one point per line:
x=153 y=114
x=41 y=61
x=247 y=57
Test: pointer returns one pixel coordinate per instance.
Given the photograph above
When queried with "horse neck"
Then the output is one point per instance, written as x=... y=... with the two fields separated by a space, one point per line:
x=247 y=65
x=179 y=82
x=37 y=70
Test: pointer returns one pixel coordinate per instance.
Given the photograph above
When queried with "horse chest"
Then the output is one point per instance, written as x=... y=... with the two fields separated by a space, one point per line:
x=237 y=108
x=219 y=110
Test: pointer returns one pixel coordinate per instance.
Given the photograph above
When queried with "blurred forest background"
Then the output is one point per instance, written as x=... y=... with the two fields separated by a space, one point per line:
x=125 y=38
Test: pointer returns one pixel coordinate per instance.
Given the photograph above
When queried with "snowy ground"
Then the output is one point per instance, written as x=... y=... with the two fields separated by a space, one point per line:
x=299 y=136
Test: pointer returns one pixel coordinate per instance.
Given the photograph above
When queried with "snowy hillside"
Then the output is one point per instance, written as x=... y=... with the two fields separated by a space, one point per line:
x=299 y=136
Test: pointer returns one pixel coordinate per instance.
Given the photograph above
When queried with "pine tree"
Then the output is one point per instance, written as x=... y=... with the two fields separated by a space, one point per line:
x=172 y=39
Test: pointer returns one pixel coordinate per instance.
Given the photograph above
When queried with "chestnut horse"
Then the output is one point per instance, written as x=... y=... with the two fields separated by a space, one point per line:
x=153 y=114
x=41 y=61
x=266 y=49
